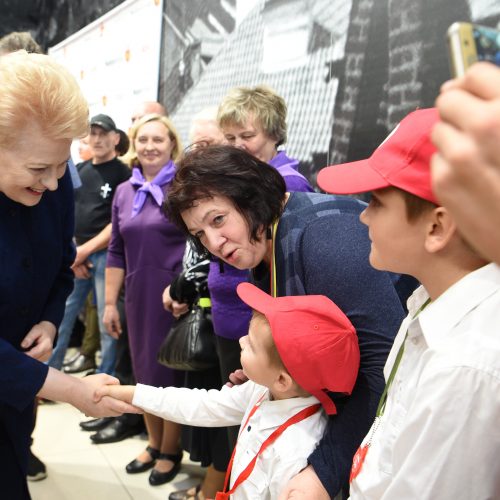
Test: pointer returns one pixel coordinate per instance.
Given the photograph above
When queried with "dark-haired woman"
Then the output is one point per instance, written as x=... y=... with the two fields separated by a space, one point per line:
x=237 y=207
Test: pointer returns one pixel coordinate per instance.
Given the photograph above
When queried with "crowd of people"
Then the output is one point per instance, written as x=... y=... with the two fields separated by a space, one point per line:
x=357 y=344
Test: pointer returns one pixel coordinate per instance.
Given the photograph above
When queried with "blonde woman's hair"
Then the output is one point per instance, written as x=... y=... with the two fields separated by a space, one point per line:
x=263 y=103
x=35 y=89
x=131 y=156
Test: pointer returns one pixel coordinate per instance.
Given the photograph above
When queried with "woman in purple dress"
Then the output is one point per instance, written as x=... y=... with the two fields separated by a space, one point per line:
x=146 y=253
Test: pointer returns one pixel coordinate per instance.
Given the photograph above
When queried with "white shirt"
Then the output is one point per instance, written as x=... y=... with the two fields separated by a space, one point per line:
x=439 y=437
x=230 y=406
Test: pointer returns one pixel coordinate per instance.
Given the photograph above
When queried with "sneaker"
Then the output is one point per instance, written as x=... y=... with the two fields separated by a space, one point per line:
x=36 y=468
x=81 y=364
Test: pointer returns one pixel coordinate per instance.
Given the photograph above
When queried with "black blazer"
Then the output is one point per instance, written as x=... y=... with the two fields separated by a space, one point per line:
x=36 y=252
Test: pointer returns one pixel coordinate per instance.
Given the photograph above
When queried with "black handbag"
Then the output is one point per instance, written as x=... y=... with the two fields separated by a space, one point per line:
x=190 y=343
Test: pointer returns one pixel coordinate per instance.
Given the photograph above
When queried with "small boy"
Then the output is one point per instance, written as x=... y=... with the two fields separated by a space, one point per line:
x=437 y=432
x=296 y=350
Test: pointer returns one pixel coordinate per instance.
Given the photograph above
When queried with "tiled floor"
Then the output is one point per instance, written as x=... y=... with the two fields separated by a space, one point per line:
x=80 y=470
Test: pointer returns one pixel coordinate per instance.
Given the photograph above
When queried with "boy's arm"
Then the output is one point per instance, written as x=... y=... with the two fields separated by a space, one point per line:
x=197 y=407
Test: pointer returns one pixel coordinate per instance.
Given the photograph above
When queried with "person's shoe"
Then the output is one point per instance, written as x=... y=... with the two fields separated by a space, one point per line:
x=36 y=468
x=81 y=364
x=185 y=494
x=96 y=424
x=137 y=466
x=116 y=431
x=72 y=359
x=156 y=477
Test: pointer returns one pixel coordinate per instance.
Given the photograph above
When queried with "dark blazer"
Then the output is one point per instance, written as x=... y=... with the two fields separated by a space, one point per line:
x=36 y=252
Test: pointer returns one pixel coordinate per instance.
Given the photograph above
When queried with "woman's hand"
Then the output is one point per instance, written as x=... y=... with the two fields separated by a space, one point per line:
x=304 y=486
x=111 y=320
x=39 y=341
x=176 y=308
x=236 y=378
x=83 y=397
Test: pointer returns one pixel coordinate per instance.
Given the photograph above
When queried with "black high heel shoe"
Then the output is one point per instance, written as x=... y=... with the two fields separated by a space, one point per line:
x=156 y=477
x=137 y=466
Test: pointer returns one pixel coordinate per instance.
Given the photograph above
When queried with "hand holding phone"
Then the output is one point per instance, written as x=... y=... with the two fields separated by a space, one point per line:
x=469 y=43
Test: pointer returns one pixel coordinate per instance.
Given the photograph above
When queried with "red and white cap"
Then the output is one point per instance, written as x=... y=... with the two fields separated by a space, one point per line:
x=401 y=161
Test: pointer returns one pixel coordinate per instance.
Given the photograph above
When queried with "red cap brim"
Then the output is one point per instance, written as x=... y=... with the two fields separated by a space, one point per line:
x=350 y=178
x=254 y=297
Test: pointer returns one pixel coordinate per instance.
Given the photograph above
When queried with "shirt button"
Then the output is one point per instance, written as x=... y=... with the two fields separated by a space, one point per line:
x=249 y=428
x=12 y=212
x=24 y=311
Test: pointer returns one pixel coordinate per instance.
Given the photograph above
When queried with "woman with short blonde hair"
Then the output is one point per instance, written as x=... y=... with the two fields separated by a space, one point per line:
x=38 y=90
x=41 y=111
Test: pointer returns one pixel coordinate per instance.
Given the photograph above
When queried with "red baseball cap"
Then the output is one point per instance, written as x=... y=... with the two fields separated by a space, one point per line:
x=402 y=161
x=315 y=340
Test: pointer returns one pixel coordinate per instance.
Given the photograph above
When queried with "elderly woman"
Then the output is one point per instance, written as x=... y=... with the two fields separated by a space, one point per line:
x=41 y=111
x=254 y=119
x=146 y=252
x=237 y=208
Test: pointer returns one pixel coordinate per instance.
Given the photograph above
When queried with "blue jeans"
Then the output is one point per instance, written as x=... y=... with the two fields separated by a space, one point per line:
x=74 y=304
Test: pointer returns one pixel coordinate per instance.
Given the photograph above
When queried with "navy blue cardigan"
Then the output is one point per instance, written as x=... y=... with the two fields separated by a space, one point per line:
x=36 y=252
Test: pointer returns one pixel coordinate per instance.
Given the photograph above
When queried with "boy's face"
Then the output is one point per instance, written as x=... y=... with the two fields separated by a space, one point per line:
x=396 y=243
x=255 y=359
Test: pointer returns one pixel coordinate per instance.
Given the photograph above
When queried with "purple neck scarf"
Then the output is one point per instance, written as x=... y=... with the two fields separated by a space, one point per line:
x=154 y=188
x=285 y=165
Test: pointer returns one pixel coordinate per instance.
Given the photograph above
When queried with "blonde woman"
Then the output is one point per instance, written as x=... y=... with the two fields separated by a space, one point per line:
x=145 y=253
x=41 y=111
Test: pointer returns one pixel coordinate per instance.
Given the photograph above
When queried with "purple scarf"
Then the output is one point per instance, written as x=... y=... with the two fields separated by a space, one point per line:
x=154 y=188
x=285 y=165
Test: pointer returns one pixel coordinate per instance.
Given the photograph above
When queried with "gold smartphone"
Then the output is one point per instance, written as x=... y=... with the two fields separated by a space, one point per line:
x=469 y=43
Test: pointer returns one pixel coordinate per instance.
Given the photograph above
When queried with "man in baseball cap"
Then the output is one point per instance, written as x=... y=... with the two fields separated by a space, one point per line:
x=105 y=122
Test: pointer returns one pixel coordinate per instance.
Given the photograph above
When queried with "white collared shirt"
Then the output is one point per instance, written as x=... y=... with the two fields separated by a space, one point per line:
x=439 y=437
x=230 y=406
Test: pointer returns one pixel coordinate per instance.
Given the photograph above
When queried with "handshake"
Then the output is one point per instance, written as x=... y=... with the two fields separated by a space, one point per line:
x=97 y=396
x=116 y=397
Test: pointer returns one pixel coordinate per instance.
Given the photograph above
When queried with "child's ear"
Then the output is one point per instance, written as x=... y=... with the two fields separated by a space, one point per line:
x=284 y=382
x=440 y=230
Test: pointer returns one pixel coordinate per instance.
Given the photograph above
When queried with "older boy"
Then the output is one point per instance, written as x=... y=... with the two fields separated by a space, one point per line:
x=296 y=349
x=436 y=434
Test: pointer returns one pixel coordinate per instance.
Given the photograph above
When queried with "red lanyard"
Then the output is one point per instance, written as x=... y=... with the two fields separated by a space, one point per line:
x=301 y=415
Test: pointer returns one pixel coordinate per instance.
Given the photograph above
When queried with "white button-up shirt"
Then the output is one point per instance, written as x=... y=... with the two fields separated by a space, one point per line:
x=439 y=437
x=230 y=406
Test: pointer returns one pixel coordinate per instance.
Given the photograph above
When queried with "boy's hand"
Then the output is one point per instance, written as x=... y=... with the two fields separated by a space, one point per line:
x=121 y=392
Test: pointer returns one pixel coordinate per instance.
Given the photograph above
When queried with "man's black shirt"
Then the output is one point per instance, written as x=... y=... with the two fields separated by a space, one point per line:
x=93 y=200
